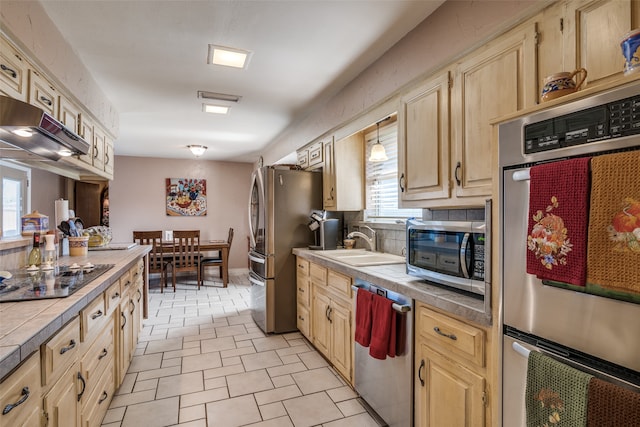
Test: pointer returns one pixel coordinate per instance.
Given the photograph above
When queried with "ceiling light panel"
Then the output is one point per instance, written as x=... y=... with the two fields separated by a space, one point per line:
x=216 y=109
x=227 y=56
x=203 y=94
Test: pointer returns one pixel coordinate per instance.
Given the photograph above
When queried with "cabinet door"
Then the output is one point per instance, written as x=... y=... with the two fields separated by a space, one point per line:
x=86 y=132
x=497 y=81
x=98 y=148
x=61 y=402
x=320 y=327
x=424 y=142
x=23 y=385
x=341 y=344
x=42 y=94
x=13 y=72
x=447 y=394
x=328 y=178
x=108 y=156
x=69 y=114
x=593 y=37
x=125 y=336
x=348 y=173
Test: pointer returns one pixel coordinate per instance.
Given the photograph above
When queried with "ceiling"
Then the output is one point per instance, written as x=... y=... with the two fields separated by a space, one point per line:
x=150 y=59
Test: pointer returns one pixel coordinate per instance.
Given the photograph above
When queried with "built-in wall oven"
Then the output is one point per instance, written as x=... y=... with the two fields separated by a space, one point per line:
x=594 y=332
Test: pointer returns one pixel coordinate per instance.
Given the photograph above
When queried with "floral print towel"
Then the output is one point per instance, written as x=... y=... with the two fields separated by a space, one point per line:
x=558 y=219
x=556 y=394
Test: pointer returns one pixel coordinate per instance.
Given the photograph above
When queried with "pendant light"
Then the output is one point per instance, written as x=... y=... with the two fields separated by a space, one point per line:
x=378 y=153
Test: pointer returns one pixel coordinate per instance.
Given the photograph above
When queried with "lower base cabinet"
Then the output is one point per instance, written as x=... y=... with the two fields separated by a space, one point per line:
x=450 y=371
x=70 y=381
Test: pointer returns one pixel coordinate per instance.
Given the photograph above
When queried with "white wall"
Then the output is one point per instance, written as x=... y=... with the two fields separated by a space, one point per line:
x=137 y=200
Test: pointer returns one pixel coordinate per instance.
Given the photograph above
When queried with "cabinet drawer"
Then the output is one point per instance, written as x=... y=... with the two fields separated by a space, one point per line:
x=318 y=274
x=60 y=351
x=93 y=318
x=23 y=383
x=96 y=360
x=112 y=297
x=304 y=323
x=302 y=291
x=451 y=336
x=315 y=154
x=126 y=282
x=302 y=266
x=136 y=273
x=340 y=283
x=98 y=400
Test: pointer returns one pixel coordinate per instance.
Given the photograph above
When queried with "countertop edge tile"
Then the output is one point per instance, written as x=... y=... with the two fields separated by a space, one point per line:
x=10 y=353
x=395 y=278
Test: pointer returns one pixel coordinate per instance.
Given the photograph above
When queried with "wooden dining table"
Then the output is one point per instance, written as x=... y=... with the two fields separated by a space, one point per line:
x=221 y=246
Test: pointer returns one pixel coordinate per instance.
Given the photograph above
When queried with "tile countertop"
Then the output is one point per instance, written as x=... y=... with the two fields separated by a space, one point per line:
x=25 y=325
x=395 y=278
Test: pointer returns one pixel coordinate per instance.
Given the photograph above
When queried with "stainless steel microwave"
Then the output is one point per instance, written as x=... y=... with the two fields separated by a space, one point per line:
x=451 y=253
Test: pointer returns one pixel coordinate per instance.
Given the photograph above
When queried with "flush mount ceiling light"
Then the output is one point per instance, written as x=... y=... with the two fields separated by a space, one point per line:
x=216 y=109
x=378 y=154
x=197 y=150
x=228 y=56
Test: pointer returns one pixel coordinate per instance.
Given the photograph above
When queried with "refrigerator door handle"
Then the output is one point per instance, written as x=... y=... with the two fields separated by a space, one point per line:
x=257 y=259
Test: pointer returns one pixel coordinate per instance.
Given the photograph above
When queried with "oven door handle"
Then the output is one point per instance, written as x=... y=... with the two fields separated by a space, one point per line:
x=257 y=259
x=256 y=281
x=463 y=255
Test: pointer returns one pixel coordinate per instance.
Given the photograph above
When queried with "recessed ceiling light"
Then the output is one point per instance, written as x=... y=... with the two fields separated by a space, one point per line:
x=217 y=109
x=227 y=56
x=215 y=96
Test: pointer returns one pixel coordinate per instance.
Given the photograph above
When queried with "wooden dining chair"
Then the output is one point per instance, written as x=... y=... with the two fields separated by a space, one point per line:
x=186 y=254
x=220 y=261
x=158 y=261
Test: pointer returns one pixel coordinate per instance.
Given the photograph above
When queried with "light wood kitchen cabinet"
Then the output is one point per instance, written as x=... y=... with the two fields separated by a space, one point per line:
x=423 y=149
x=60 y=352
x=496 y=80
x=42 y=93
x=316 y=151
x=303 y=291
x=14 y=70
x=124 y=335
x=86 y=132
x=20 y=394
x=98 y=401
x=331 y=321
x=69 y=114
x=445 y=136
x=450 y=371
x=303 y=158
x=108 y=156
x=99 y=137
x=60 y=403
x=343 y=174
x=585 y=34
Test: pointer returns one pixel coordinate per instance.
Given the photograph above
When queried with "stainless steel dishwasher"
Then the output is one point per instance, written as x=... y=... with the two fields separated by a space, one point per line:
x=386 y=386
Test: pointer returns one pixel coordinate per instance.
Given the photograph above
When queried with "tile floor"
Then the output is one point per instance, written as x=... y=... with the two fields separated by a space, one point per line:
x=202 y=361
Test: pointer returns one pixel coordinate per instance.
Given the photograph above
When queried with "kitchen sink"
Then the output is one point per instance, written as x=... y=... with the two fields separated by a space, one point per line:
x=361 y=257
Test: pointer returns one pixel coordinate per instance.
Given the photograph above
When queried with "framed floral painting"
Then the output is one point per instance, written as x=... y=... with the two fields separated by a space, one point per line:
x=186 y=197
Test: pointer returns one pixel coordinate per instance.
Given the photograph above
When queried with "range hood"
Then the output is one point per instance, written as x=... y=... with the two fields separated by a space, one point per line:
x=29 y=128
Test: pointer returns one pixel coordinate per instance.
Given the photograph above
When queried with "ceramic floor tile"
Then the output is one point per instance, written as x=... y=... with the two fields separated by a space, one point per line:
x=311 y=410
x=316 y=380
x=248 y=382
x=161 y=412
x=180 y=384
x=237 y=411
x=201 y=361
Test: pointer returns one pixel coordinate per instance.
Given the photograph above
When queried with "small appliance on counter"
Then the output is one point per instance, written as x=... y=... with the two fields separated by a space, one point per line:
x=326 y=230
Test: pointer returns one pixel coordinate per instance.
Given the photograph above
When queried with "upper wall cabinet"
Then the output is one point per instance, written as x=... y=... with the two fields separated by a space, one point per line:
x=585 y=34
x=42 y=93
x=13 y=72
x=495 y=80
x=69 y=114
x=343 y=174
x=423 y=149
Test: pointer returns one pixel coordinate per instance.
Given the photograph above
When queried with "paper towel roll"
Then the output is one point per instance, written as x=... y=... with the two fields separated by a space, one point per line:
x=62 y=211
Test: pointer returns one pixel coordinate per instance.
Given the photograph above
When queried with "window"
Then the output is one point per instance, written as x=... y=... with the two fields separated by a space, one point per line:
x=382 y=178
x=14 y=196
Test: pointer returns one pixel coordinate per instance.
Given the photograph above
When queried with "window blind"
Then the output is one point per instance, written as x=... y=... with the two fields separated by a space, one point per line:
x=382 y=178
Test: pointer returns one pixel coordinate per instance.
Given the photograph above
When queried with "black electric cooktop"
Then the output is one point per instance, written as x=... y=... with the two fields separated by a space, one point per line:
x=25 y=285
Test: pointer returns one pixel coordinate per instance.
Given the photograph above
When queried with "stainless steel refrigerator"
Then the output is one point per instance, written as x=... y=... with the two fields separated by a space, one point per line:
x=279 y=206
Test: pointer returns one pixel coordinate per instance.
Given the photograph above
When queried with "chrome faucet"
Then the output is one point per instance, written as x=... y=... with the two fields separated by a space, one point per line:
x=370 y=240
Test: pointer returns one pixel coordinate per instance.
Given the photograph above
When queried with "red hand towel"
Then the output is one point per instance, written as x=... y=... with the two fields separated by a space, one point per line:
x=380 y=327
x=363 y=317
x=558 y=220
x=610 y=405
x=393 y=337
